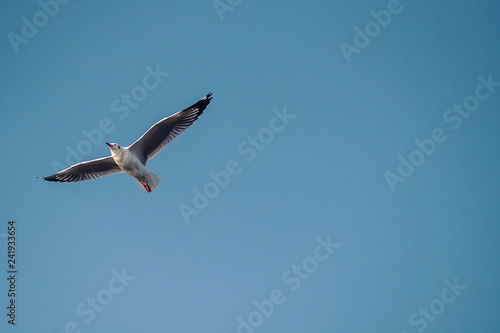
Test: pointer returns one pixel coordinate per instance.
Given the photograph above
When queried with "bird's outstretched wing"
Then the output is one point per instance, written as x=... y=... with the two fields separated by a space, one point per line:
x=86 y=170
x=167 y=129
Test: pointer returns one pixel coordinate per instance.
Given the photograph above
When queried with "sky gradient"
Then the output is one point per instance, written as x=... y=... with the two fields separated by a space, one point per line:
x=344 y=177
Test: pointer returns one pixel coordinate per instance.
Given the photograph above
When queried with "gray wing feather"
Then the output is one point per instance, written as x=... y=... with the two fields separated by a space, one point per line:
x=166 y=130
x=86 y=170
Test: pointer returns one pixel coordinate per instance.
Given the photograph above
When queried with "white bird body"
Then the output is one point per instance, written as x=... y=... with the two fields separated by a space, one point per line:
x=133 y=159
x=130 y=163
x=126 y=160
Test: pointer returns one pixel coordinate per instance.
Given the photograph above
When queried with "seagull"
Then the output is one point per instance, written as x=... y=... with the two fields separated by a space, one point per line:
x=133 y=159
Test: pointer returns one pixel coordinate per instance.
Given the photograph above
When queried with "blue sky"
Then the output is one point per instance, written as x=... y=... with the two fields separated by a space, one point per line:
x=367 y=202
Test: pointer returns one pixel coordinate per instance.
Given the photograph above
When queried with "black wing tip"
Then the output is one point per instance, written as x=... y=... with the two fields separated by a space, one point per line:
x=48 y=178
x=202 y=103
x=53 y=178
x=208 y=97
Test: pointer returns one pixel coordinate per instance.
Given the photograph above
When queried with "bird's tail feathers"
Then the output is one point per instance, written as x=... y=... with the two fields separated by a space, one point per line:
x=151 y=179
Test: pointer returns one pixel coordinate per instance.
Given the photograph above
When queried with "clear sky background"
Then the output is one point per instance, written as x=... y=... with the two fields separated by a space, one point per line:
x=396 y=251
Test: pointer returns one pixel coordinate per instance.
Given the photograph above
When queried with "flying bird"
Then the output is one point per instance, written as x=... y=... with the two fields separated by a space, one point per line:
x=133 y=159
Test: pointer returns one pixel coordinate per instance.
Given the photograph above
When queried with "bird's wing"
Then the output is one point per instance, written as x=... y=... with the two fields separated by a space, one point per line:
x=86 y=170
x=166 y=130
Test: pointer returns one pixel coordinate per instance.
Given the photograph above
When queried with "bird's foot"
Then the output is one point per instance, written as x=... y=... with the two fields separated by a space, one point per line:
x=146 y=185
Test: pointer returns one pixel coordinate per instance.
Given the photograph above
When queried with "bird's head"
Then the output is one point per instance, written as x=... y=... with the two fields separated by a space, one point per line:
x=114 y=147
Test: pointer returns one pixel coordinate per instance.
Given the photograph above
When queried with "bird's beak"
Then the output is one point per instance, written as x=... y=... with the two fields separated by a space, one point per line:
x=109 y=144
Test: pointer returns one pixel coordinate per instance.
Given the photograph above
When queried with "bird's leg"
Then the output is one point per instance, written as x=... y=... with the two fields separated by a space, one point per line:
x=145 y=184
